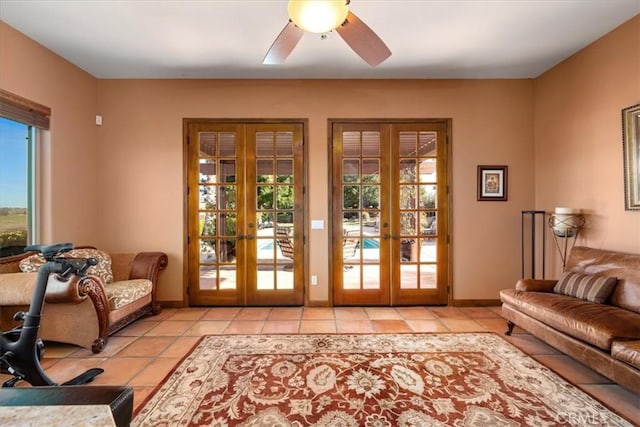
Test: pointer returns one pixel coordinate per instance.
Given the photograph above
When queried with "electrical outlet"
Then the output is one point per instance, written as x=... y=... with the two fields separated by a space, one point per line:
x=314 y=280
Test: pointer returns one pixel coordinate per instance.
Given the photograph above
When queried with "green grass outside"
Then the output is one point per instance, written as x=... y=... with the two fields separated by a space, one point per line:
x=15 y=222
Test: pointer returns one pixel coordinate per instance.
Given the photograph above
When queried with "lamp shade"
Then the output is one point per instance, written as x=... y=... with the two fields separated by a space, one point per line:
x=318 y=16
x=566 y=221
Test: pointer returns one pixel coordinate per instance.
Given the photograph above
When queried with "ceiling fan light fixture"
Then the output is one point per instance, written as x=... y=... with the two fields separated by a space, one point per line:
x=318 y=16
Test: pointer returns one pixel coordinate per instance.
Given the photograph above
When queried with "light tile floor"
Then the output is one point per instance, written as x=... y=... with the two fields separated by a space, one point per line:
x=144 y=353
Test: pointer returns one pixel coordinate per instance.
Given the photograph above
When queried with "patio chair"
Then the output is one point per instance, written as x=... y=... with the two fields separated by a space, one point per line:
x=284 y=242
x=349 y=247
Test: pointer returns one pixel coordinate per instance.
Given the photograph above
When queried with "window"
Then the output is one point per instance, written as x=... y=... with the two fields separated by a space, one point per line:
x=19 y=121
x=16 y=186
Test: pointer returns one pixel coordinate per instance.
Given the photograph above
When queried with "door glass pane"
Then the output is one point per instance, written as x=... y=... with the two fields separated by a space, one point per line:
x=284 y=198
x=227 y=224
x=207 y=251
x=428 y=276
x=428 y=170
x=266 y=280
x=371 y=276
x=408 y=142
x=227 y=144
x=284 y=276
x=351 y=144
x=370 y=196
x=227 y=250
x=371 y=170
x=370 y=249
x=207 y=224
x=264 y=144
x=370 y=144
x=351 y=277
x=408 y=170
x=408 y=250
x=428 y=196
x=264 y=171
x=284 y=144
x=227 y=171
x=265 y=224
x=408 y=224
x=428 y=250
x=408 y=196
x=350 y=170
x=264 y=197
x=428 y=223
x=427 y=144
x=207 y=171
x=351 y=196
x=208 y=141
x=409 y=276
x=208 y=197
x=208 y=277
x=228 y=197
x=284 y=171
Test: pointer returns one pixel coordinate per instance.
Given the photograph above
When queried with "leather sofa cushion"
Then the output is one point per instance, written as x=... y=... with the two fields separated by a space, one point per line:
x=627 y=351
x=596 y=324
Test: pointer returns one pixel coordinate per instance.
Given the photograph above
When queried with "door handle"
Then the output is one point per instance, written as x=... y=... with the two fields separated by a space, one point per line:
x=386 y=236
x=240 y=236
x=249 y=236
x=395 y=236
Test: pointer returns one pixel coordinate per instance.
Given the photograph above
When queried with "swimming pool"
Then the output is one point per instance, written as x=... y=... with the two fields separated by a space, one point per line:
x=368 y=244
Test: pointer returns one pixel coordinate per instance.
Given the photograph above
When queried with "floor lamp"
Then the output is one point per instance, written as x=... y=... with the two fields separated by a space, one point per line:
x=565 y=224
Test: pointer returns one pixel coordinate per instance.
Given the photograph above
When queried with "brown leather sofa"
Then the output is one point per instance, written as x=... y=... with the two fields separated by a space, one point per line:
x=95 y=309
x=604 y=337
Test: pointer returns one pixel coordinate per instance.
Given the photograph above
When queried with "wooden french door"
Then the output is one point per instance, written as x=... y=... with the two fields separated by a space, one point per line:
x=390 y=210
x=245 y=213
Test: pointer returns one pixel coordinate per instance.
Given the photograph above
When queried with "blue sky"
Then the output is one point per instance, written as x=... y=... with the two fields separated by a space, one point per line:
x=13 y=164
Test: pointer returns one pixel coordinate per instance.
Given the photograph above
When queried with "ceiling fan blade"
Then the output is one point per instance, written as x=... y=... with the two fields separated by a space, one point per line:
x=363 y=40
x=283 y=44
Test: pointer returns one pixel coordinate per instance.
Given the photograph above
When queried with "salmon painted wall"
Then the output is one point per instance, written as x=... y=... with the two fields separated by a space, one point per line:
x=141 y=165
x=135 y=159
x=69 y=197
x=578 y=138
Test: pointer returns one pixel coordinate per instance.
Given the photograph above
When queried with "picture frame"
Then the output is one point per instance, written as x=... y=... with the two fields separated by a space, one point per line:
x=631 y=157
x=492 y=183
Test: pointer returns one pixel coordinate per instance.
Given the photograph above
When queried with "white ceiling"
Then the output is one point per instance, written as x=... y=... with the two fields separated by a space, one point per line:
x=229 y=38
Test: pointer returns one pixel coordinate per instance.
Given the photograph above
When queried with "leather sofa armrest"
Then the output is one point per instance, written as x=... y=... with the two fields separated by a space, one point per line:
x=535 y=285
x=147 y=265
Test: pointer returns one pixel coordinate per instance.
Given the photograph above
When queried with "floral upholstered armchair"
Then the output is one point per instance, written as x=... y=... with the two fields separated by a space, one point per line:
x=120 y=289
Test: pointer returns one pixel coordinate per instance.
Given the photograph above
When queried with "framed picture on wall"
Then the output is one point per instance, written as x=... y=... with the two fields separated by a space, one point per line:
x=492 y=183
x=631 y=156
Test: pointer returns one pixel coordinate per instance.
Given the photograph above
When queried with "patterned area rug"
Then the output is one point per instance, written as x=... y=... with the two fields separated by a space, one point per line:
x=470 y=379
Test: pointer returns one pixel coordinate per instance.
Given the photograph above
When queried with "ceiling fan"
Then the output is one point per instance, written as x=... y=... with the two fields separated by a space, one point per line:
x=323 y=16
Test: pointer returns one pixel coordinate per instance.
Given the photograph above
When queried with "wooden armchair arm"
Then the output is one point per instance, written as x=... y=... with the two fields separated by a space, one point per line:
x=92 y=287
x=147 y=265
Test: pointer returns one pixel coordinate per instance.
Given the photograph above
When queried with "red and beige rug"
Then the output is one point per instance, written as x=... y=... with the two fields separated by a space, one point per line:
x=470 y=379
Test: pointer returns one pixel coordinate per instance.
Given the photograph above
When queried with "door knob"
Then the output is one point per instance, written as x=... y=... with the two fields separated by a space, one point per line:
x=250 y=236
x=240 y=236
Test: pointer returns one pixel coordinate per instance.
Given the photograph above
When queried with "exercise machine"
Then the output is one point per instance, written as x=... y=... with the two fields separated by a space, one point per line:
x=21 y=348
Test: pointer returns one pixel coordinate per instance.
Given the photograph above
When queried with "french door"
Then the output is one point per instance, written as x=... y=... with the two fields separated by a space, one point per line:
x=245 y=213
x=389 y=210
